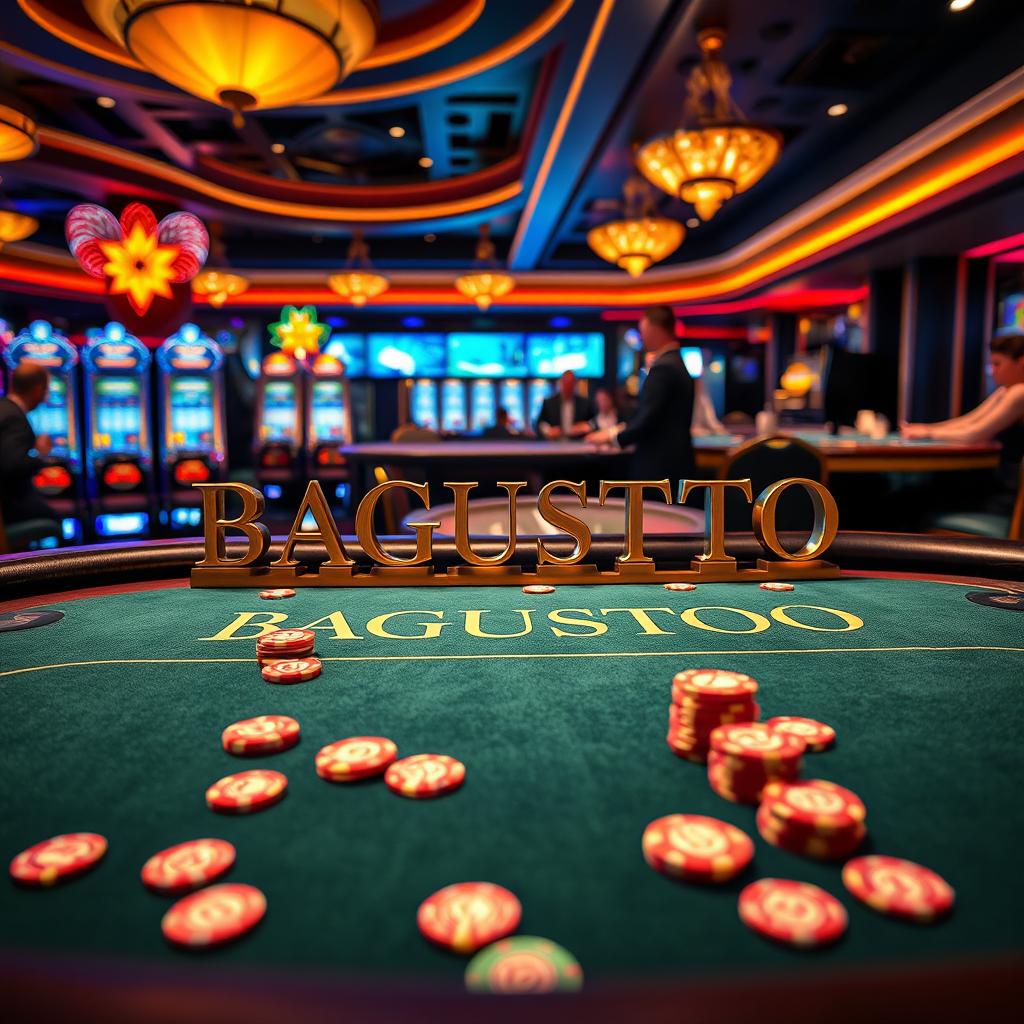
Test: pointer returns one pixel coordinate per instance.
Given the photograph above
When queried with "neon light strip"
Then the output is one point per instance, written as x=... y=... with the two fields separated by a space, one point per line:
x=991 y=248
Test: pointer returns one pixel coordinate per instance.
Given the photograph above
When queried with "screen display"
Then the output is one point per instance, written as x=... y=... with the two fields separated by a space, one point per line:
x=191 y=405
x=278 y=411
x=407 y=355
x=327 y=412
x=538 y=391
x=486 y=355
x=423 y=404
x=550 y=355
x=453 y=405
x=693 y=360
x=483 y=404
x=512 y=398
x=117 y=416
x=51 y=418
x=351 y=350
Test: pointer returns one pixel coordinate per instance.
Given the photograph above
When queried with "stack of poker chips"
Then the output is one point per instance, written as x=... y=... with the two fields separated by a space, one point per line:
x=702 y=700
x=746 y=756
x=284 y=644
x=812 y=817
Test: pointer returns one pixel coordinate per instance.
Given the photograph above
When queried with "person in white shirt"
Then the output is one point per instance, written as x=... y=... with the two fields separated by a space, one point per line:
x=566 y=415
x=607 y=415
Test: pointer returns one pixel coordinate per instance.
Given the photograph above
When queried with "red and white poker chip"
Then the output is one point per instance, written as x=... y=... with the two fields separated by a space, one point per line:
x=187 y=865
x=214 y=916
x=58 y=859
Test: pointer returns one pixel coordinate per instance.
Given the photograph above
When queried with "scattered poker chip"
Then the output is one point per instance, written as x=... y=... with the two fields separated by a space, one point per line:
x=711 y=684
x=899 y=888
x=756 y=741
x=187 y=865
x=58 y=859
x=538 y=588
x=272 y=595
x=245 y=792
x=779 y=587
x=264 y=734
x=524 y=965
x=300 y=670
x=358 y=757
x=682 y=588
x=467 y=915
x=214 y=916
x=422 y=776
x=817 y=735
x=286 y=641
x=815 y=804
x=696 y=848
x=796 y=913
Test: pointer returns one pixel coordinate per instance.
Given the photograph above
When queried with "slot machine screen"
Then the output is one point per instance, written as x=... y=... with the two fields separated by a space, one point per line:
x=191 y=402
x=539 y=390
x=550 y=355
x=453 y=405
x=486 y=355
x=118 y=418
x=327 y=416
x=483 y=404
x=423 y=404
x=278 y=411
x=51 y=418
x=512 y=398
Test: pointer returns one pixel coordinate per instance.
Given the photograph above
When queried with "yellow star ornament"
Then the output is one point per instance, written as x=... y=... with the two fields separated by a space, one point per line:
x=140 y=267
x=298 y=333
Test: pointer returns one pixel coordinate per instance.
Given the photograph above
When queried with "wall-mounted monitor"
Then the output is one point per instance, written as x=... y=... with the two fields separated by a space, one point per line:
x=550 y=355
x=486 y=355
x=693 y=360
x=351 y=350
x=406 y=355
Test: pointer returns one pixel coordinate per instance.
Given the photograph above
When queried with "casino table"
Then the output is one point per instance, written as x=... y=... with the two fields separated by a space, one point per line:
x=557 y=705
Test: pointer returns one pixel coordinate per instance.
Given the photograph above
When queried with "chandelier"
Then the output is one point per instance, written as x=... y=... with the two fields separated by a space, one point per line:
x=243 y=54
x=717 y=153
x=217 y=286
x=641 y=238
x=358 y=284
x=485 y=285
x=15 y=226
x=17 y=134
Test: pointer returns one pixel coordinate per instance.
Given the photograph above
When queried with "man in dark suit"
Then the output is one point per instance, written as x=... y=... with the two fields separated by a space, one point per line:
x=660 y=427
x=21 y=452
x=566 y=415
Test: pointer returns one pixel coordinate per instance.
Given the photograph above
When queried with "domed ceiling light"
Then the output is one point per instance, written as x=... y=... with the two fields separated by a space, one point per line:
x=17 y=134
x=358 y=284
x=14 y=226
x=485 y=285
x=243 y=54
x=717 y=153
x=217 y=286
x=640 y=239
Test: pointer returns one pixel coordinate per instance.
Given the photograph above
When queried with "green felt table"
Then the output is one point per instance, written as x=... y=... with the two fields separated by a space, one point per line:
x=112 y=718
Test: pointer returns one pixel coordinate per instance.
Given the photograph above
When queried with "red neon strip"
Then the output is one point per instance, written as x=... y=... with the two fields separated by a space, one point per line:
x=807 y=298
x=1015 y=256
x=991 y=248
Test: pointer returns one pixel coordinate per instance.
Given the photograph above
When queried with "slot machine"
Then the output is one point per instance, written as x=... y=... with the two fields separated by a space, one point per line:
x=483 y=404
x=60 y=479
x=118 y=444
x=512 y=398
x=454 y=409
x=192 y=429
x=279 y=422
x=423 y=396
x=328 y=425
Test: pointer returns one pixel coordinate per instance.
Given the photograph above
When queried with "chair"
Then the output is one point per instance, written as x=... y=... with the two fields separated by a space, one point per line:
x=21 y=536
x=412 y=433
x=986 y=524
x=765 y=460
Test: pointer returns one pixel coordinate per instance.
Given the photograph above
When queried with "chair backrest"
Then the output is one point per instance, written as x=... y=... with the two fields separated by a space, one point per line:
x=413 y=433
x=765 y=460
x=1016 y=531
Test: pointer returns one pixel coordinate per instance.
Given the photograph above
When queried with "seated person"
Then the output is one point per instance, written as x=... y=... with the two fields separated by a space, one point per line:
x=606 y=415
x=565 y=415
x=1000 y=417
x=500 y=430
x=21 y=452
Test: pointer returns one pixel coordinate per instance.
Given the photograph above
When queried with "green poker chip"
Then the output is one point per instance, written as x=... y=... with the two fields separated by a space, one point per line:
x=524 y=965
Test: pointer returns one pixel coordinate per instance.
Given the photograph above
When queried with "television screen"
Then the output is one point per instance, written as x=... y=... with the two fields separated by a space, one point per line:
x=693 y=360
x=486 y=355
x=351 y=350
x=406 y=355
x=550 y=355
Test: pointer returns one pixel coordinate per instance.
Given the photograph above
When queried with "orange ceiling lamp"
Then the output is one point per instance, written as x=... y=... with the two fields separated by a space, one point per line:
x=17 y=134
x=358 y=284
x=217 y=286
x=243 y=54
x=717 y=153
x=16 y=226
x=485 y=285
x=641 y=239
